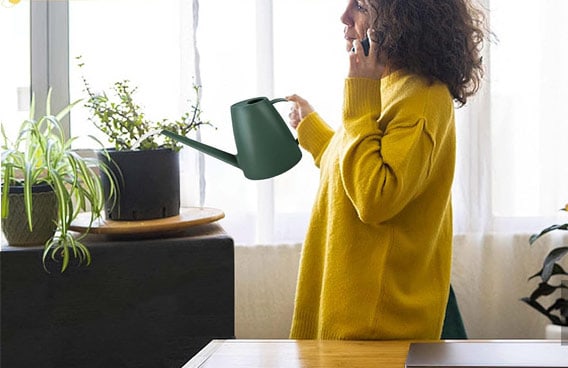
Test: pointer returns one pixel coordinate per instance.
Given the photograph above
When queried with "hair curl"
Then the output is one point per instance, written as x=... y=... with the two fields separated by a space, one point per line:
x=439 y=39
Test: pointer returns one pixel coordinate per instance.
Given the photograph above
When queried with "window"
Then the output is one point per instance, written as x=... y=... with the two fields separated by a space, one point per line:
x=15 y=70
x=512 y=138
x=243 y=54
x=529 y=124
x=147 y=46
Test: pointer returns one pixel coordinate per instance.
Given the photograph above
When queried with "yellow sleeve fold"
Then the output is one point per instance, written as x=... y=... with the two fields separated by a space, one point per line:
x=381 y=172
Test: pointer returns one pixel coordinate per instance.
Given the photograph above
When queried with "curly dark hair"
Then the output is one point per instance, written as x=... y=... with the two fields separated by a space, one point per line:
x=439 y=39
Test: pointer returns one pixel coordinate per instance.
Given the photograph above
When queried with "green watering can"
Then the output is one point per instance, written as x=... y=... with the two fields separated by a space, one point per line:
x=265 y=146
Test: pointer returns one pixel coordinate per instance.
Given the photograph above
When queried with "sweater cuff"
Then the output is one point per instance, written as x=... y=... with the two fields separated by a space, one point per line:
x=314 y=134
x=362 y=97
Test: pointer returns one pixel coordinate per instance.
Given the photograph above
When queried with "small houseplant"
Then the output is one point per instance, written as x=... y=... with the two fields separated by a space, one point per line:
x=145 y=162
x=126 y=125
x=41 y=155
x=553 y=280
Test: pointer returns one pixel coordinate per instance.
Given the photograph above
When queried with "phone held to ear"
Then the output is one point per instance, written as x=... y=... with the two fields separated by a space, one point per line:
x=366 y=45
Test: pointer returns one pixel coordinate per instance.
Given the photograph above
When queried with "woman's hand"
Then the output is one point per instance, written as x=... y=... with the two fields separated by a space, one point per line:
x=361 y=66
x=299 y=110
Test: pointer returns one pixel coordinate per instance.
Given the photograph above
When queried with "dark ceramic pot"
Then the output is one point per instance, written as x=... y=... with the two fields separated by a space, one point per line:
x=147 y=183
x=44 y=216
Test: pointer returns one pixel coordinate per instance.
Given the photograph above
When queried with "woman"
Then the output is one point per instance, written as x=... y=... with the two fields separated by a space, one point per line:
x=377 y=256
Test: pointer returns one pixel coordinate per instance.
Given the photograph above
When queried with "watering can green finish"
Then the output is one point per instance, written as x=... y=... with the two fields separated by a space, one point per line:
x=265 y=146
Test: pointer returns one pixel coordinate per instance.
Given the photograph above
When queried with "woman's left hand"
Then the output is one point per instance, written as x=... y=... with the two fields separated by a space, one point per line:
x=299 y=110
x=362 y=66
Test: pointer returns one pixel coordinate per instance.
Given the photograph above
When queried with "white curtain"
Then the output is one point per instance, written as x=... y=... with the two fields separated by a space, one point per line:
x=267 y=48
x=511 y=180
x=511 y=137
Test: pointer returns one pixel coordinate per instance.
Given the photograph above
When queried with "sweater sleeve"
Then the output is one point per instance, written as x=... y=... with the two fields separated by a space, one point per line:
x=381 y=172
x=314 y=135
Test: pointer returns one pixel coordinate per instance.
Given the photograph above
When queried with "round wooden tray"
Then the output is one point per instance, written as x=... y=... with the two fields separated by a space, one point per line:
x=189 y=216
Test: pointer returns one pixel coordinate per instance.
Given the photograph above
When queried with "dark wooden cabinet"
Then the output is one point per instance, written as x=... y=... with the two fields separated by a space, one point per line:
x=141 y=303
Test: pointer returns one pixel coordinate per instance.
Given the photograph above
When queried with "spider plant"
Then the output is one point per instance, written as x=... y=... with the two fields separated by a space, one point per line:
x=42 y=154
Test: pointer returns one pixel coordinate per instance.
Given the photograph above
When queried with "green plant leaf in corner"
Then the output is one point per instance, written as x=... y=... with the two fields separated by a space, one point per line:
x=534 y=237
x=543 y=289
x=554 y=319
x=556 y=270
x=554 y=256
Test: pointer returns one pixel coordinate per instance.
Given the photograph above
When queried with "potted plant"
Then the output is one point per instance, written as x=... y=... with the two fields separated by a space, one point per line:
x=553 y=282
x=144 y=162
x=45 y=185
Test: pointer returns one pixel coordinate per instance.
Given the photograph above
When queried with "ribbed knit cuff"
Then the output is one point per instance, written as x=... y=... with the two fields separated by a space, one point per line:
x=314 y=134
x=304 y=325
x=362 y=96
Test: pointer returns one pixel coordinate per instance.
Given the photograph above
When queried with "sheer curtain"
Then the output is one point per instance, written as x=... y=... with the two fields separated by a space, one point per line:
x=511 y=180
x=267 y=48
x=529 y=124
x=512 y=136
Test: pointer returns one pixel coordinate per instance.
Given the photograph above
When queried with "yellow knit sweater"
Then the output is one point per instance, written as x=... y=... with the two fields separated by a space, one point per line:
x=376 y=259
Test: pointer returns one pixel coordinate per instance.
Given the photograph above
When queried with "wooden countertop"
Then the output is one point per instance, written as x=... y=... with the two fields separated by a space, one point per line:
x=301 y=353
x=362 y=354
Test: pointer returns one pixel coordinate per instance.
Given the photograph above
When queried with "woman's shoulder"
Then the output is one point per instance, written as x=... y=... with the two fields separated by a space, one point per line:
x=414 y=90
x=413 y=100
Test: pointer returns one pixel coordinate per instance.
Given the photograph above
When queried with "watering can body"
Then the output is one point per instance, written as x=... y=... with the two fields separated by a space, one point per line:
x=265 y=146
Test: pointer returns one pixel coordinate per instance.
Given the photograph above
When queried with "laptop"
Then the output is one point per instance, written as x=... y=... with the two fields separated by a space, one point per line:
x=496 y=354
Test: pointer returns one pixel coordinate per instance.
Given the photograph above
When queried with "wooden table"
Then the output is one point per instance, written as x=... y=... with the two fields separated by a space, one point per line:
x=301 y=353
x=364 y=354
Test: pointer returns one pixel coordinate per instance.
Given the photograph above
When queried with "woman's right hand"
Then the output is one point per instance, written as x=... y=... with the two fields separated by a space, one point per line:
x=300 y=109
x=361 y=66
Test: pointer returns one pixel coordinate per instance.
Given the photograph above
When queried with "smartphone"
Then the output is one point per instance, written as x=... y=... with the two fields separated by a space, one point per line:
x=366 y=45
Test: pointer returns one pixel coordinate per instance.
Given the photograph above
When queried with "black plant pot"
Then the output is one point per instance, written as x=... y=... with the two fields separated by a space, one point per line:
x=44 y=216
x=147 y=182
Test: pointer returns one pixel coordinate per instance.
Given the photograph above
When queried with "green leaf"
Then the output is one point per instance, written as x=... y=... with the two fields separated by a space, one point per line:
x=543 y=289
x=556 y=270
x=534 y=237
x=65 y=251
x=554 y=319
x=554 y=256
x=67 y=109
x=41 y=153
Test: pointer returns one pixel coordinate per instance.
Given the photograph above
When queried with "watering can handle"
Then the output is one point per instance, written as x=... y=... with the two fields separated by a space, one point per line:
x=282 y=100
x=278 y=100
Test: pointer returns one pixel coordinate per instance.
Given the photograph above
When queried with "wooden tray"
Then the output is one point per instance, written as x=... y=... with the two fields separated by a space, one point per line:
x=189 y=216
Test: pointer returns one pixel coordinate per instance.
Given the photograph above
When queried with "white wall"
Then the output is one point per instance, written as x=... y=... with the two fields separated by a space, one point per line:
x=265 y=278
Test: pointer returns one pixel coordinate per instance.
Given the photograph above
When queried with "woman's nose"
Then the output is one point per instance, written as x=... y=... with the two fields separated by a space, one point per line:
x=346 y=18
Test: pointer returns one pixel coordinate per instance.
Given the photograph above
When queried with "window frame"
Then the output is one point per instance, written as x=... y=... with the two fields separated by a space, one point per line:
x=49 y=54
x=49 y=32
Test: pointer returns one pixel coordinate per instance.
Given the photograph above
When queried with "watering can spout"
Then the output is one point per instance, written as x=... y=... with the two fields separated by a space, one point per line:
x=265 y=145
x=212 y=151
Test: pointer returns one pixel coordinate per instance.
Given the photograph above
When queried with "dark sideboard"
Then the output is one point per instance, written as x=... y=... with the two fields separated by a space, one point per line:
x=146 y=302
